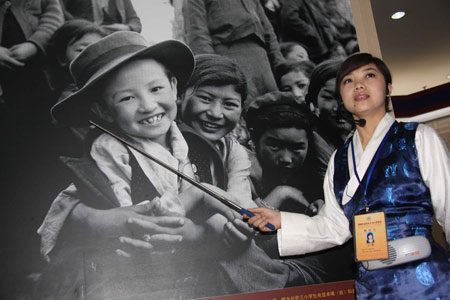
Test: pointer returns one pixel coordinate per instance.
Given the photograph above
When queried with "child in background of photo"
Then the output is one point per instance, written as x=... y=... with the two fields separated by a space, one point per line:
x=211 y=105
x=65 y=44
x=286 y=149
x=335 y=122
x=295 y=77
x=294 y=52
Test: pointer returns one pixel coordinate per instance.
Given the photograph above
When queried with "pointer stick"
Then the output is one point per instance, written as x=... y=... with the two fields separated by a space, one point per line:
x=222 y=199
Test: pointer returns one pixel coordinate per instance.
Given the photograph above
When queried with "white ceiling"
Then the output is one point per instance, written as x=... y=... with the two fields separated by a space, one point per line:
x=417 y=47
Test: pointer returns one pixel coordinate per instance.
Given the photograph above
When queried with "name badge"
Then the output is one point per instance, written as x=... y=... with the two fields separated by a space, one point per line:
x=370 y=236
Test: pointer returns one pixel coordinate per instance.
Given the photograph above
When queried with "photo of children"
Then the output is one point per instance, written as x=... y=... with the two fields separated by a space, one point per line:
x=88 y=217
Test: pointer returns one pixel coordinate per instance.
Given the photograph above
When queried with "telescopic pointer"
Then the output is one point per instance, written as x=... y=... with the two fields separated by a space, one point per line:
x=219 y=197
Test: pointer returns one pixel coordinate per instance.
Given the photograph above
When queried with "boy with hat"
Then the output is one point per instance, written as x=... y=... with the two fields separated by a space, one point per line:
x=131 y=87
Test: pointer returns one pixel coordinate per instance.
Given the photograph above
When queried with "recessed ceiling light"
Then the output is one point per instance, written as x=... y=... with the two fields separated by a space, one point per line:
x=448 y=76
x=398 y=15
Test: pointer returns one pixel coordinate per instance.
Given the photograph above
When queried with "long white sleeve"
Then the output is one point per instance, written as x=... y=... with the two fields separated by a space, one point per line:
x=300 y=234
x=434 y=162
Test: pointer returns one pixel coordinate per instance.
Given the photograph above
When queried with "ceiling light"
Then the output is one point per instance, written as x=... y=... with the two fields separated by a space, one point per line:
x=448 y=76
x=398 y=15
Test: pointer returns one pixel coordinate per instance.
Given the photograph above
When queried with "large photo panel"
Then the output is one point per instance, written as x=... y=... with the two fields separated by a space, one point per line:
x=241 y=99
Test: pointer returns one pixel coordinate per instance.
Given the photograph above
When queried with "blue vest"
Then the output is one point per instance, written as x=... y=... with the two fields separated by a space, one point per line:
x=397 y=188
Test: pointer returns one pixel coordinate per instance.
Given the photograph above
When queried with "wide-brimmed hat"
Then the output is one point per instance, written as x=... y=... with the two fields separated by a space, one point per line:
x=105 y=56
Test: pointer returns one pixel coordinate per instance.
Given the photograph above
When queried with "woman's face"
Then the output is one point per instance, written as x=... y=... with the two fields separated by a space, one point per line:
x=364 y=91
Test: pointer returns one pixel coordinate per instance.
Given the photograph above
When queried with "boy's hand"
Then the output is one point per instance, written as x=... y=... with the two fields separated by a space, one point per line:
x=263 y=216
x=23 y=51
x=159 y=227
x=109 y=223
x=7 y=60
x=237 y=233
x=169 y=204
x=161 y=234
x=194 y=198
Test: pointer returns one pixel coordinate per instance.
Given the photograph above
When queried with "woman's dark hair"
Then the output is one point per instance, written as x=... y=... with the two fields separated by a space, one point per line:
x=323 y=72
x=358 y=60
x=69 y=32
x=278 y=110
x=217 y=70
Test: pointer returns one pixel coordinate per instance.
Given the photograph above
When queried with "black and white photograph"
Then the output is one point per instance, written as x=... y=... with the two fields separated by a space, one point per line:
x=137 y=133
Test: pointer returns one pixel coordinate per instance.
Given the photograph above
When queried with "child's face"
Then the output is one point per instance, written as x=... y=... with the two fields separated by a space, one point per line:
x=297 y=54
x=328 y=106
x=141 y=100
x=75 y=47
x=213 y=111
x=281 y=151
x=297 y=83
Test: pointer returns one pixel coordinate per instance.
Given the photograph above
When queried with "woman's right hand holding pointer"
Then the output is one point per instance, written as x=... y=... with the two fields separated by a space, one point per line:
x=264 y=215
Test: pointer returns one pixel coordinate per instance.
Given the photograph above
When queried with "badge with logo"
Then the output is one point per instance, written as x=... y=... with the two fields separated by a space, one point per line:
x=370 y=236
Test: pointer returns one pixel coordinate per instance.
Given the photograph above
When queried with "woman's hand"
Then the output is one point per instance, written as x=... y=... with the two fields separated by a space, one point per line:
x=264 y=215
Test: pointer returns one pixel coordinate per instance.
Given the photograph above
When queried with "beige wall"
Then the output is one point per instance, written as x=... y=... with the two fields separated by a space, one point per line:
x=442 y=126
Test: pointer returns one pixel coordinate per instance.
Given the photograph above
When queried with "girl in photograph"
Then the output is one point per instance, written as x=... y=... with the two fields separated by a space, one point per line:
x=407 y=180
x=211 y=105
x=65 y=44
